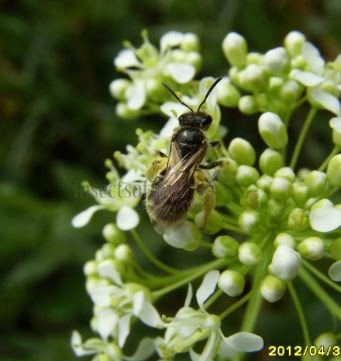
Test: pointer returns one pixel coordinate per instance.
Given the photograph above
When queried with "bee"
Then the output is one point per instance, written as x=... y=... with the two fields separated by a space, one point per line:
x=176 y=177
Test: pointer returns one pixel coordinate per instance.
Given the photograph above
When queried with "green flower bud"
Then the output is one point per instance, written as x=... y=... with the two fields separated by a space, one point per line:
x=275 y=83
x=247 y=175
x=311 y=248
x=325 y=340
x=228 y=94
x=252 y=78
x=291 y=91
x=233 y=74
x=242 y=151
x=190 y=42
x=286 y=172
x=276 y=61
x=235 y=49
x=285 y=263
x=335 y=249
x=231 y=282
x=228 y=172
x=334 y=171
x=293 y=42
x=118 y=88
x=254 y=58
x=322 y=203
x=124 y=112
x=255 y=197
x=316 y=182
x=248 y=104
x=330 y=87
x=264 y=182
x=222 y=194
x=248 y=220
x=284 y=238
x=275 y=208
x=298 y=62
x=124 y=253
x=300 y=193
x=272 y=288
x=280 y=188
x=113 y=234
x=270 y=161
x=90 y=268
x=225 y=246
x=194 y=59
x=249 y=253
x=185 y=235
x=155 y=90
x=272 y=130
x=214 y=221
x=93 y=282
x=298 y=219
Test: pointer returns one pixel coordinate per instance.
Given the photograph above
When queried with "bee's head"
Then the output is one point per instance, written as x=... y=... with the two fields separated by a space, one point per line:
x=196 y=119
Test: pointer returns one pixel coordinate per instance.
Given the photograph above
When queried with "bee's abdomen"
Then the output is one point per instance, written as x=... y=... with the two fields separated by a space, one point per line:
x=170 y=204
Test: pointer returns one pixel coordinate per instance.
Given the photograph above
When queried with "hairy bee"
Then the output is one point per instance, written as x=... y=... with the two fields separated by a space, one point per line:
x=176 y=177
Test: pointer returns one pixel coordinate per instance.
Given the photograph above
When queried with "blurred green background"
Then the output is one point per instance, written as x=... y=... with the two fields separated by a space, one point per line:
x=58 y=124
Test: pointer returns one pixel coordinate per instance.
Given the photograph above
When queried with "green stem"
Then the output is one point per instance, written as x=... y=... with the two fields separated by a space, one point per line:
x=300 y=313
x=213 y=298
x=334 y=151
x=302 y=136
x=236 y=305
x=150 y=255
x=184 y=280
x=328 y=302
x=321 y=276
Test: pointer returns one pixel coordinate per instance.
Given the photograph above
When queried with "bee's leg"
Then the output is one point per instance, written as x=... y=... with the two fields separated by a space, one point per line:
x=210 y=165
x=157 y=166
x=204 y=186
x=215 y=143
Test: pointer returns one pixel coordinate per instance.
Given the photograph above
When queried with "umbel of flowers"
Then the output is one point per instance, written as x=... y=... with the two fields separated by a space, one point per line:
x=271 y=221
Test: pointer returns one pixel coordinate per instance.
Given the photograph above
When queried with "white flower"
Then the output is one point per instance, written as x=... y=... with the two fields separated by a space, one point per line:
x=95 y=346
x=126 y=58
x=325 y=219
x=180 y=72
x=285 y=262
x=127 y=218
x=170 y=40
x=83 y=218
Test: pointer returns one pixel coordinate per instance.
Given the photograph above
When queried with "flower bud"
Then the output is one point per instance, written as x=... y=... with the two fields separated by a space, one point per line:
x=284 y=238
x=270 y=161
x=252 y=78
x=293 y=42
x=287 y=173
x=300 y=193
x=280 y=188
x=225 y=246
x=228 y=94
x=316 y=182
x=213 y=224
x=90 y=268
x=228 y=172
x=291 y=91
x=311 y=248
x=272 y=130
x=334 y=171
x=113 y=234
x=272 y=289
x=249 y=253
x=255 y=197
x=221 y=194
x=124 y=253
x=334 y=271
x=335 y=248
x=298 y=219
x=325 y=340
x=190 y=42
x=235 y=49
x=118 y=88
x=285 y=263
x=242 y=151
x=248 y=105
x=335 y=124
x=124 y=112
x=254 y=58
x=275 y=83
x=194 y=59
x=247 y=175
x=185 y=235
x=276 y=60
x=264 y=182
x=231 y=282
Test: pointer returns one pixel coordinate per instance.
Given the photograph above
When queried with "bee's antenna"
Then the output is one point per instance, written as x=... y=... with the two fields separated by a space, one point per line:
x=176 y=97
x=209 y=92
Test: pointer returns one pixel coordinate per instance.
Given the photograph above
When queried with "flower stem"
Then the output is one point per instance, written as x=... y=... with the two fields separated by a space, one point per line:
x=236 y=305
x=321 y=276
x=323 y=166
x=150 y=255
x=184 y=280
x=302 y=136
x=300 y=313
x=329 y=303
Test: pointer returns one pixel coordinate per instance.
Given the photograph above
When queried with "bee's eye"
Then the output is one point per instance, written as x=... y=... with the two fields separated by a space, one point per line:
x=181 y=119
x=206 y=122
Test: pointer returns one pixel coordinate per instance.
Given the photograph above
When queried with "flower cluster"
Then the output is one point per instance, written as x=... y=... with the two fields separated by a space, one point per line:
x=270 y=222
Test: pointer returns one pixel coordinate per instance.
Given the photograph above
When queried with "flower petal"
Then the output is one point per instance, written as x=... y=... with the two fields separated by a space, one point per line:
x=83 y=218
x=325 y=219
x=207 y=287
x=170 y=40
x=189 y=295
x=168 y=129
x=106 y=322
x=137 y=95
x=335 y=123
x=123 y=329
x=173 y=109
x=126 y=58
x=145 y=311
x=335 y=271
x=106 y=269
x=306 y=78
x=144 y=350
x=89 y=347
x=180 y=72
x=127 y=218
x=245 y=342
x=326 y=100
x=101 y=295
x=312 y=57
